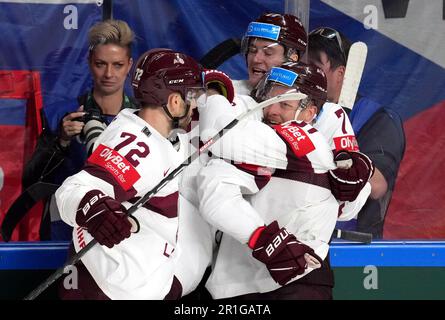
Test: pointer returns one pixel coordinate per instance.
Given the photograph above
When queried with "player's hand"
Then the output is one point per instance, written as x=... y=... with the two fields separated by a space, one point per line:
x=354 y=169
x=71 y=126
x=284 y=256
x=219 y=81
x=104 y=218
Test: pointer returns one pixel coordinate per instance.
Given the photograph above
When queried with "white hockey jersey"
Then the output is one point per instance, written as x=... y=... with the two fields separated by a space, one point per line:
x=239 y=197
x=196 y=235
x=333 y=123
x=130 y=158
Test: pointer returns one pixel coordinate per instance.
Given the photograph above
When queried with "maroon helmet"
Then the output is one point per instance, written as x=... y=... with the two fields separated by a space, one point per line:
x=306 y=78
x=160 y=72
x=286 y=29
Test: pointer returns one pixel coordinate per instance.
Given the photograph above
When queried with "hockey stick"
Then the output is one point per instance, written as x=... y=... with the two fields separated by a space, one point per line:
x=221 y=53
x=75 y=258
x=352 y=236
x=353 y=74
x=21 y=206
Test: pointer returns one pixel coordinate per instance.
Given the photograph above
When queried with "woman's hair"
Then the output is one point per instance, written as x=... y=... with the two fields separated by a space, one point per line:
x=111 y=32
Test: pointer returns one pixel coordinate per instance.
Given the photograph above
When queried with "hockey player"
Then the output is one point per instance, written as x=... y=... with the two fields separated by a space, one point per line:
x=131 y=156
x=281 y=234
x=276 y=38
x=196 y=238
x=269 y=41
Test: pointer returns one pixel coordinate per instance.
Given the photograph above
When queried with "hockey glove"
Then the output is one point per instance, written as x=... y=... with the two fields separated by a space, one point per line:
x=354 y=169
x=104 y=218
x=284 y=256
x=220 y=82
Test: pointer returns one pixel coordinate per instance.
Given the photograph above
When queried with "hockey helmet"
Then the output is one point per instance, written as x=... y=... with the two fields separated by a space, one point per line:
x=286 y=29
x=160 y=72
x=305 y=78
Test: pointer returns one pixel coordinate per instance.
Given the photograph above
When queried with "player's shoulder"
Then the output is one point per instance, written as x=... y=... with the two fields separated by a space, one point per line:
x=126 y=118
x=331 y=110
x=301 y=137
x=128 y=130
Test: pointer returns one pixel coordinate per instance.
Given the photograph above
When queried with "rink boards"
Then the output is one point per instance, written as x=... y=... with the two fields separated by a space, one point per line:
x=381 y=270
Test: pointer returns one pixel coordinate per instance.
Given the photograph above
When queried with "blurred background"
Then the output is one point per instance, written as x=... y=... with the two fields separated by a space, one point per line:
x=43 y=60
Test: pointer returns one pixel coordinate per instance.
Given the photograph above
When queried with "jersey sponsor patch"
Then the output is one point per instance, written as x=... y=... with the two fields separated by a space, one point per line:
x=346 y=143
x=296 y=138
x=119 y=167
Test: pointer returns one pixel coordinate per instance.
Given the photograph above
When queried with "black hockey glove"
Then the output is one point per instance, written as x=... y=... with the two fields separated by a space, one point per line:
x=105 y=218
x=284 y=256
x=354 y=169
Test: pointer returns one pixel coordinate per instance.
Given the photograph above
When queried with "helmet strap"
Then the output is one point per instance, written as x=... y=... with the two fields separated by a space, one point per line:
x=175 y=120
x=303 y=105
x=291 y=55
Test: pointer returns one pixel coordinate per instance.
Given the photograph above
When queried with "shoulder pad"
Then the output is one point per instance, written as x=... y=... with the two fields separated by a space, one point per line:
x=119 y=167
x=298 y=140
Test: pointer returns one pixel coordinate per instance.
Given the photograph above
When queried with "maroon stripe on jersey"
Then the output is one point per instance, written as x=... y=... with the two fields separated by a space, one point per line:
x=261 y=174
x=166 y=206
x=340 y=209
x=318 y=179
x=175 y=290
x=119 y=193
x=295 y=163
x=312 y=130
x=300 y=124
x=87 y=288
x=300 y=169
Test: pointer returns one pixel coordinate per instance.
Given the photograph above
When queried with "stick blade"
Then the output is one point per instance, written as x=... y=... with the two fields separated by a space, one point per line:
x=356 y=236
x=353 y=74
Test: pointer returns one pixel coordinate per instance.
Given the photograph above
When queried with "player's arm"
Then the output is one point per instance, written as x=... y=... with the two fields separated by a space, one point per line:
x=379 y=185
x=92 y=198
x=73 y=190
x=349 y=209
x=221 y=191
x=92 y=205
x=337 y=128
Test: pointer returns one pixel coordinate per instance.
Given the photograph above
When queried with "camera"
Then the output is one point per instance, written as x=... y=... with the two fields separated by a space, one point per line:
x=94 y=125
